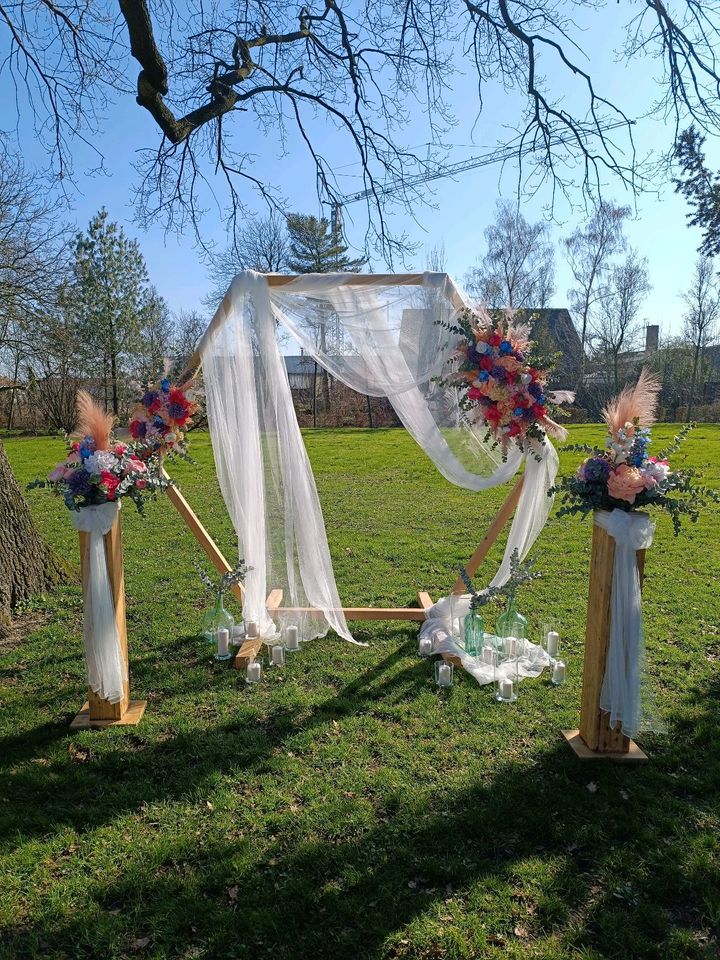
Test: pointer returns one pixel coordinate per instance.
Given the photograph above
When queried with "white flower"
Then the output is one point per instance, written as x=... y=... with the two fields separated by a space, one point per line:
x=658 y=471
x=101 y=460
x=525 y=378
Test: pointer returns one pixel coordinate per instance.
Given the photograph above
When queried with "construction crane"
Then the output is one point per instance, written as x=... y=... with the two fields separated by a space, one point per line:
x=500 y=155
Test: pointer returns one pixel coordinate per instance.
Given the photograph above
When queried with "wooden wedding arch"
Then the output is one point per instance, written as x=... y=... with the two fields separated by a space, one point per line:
x=250 y=648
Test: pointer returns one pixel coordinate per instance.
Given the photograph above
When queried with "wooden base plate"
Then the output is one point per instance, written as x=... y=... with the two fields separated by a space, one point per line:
x=583 y=752
x=132 y=716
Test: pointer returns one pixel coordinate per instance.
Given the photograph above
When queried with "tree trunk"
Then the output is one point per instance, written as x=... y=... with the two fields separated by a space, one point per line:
x=369 y=410
x=314 y=391
x=27 y=565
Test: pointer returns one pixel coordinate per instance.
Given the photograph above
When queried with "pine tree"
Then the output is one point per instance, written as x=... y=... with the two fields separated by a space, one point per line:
x=112 y=294
x=316 y=247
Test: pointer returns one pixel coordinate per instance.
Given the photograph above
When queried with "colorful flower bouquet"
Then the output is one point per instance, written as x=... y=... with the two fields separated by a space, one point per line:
x=160 y=419
x=622 y=476
x=98 y=469
x=499 y=383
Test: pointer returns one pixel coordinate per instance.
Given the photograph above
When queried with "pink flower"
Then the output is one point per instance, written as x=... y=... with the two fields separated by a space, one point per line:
x=137 y=465
x=141 y=484
x=74 y=458
x=58 y=474
x=625 y=483
x=110 y=482
x=120 y=449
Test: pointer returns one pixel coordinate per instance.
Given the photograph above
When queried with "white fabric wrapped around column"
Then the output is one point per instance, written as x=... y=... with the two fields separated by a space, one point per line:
x=379 y=337
x=623 y=695
x=106 y=666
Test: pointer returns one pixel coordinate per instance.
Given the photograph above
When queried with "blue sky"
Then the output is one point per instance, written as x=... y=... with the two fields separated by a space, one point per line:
x=461 y=208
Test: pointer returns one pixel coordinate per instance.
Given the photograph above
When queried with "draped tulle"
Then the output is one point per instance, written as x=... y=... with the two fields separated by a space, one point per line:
x=379 y=337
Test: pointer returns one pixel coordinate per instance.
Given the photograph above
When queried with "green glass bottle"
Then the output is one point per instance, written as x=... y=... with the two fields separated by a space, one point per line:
x=474 y=632
x=217 y=618
x=511 y=623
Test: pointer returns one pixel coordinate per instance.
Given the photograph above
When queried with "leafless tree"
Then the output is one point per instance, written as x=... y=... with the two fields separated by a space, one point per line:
x=262 y=245
x=702 y=309
x=589 y=251
x=365 y=68
x=617 y=326
x=518 y=269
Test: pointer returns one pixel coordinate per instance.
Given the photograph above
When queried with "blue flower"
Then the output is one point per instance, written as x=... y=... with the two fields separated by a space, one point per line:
x=158 y=421
x=536 y=390
x=498 y=373
x=165 y=385
x=483 y=376
x=519 y=411
x=506 y=347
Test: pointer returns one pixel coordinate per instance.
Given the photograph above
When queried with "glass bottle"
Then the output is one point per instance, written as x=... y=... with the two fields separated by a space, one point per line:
x=474 y=632
x=511 y=623
x=217 y=618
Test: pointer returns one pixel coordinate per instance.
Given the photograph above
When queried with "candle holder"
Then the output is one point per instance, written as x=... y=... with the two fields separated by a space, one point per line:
x=217 y=618
x=277 y=655
x=550 y=640
x=457 y=616
x=558 y=673
x=223 y=651
x=291 y=638
x=444 y=673
x=425 y=647
x=506 y=678
x=253 y=672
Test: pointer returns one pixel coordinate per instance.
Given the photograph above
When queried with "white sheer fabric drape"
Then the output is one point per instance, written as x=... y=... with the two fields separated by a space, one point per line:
x=380 y=337
x=106 y=667
x=625 y=694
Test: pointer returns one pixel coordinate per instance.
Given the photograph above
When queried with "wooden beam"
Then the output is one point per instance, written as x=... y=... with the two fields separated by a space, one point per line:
x=424 y=599
x=200 y=533
x=483 y=548
x=595 y=730
x=364 y=613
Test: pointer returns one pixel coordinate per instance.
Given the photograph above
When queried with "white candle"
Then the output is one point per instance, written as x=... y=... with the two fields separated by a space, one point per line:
x=444 y=675
x=487 y=654
x=237 y=634
x=510 y=646
x=278 y=655
x=425 y=647
x=223 y=639
x=254 y=672
x=553 y=640
x=292 y=641
x=558 y=676
x=506 y=689
x=251 y=629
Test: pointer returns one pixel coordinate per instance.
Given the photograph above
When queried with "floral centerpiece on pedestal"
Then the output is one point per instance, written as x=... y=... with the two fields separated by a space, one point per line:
x=622 y=475
x=160 y=419
x=501 y=384
x=99 y=469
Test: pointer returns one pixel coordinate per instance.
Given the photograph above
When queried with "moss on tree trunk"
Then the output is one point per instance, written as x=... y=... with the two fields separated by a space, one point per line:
x=27 y=565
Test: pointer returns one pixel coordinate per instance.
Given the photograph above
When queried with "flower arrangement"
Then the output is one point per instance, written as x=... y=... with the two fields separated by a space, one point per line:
x=99 y=469
x=499 y=382
x=159 y=420
x=622 y=476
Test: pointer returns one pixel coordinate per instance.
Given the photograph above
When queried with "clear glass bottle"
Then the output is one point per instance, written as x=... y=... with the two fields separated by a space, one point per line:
x=217 y=618
x=511 y=623
x=474 y=633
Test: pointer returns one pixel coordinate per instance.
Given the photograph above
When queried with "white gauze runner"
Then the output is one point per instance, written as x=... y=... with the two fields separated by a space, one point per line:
x=106 y=669
x=384 y=336
x=624 y=695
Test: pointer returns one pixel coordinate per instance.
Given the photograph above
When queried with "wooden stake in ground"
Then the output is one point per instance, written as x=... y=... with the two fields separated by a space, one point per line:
x=596 y=738
x=98 y=712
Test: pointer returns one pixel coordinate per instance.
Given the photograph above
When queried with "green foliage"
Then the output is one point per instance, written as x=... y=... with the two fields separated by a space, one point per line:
x=316 y=248
x=700 y=187
x=119 y=316
x=344 y=809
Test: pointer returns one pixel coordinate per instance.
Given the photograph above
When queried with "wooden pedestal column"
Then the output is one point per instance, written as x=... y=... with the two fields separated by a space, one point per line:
x=596 y=738
x=98 y=712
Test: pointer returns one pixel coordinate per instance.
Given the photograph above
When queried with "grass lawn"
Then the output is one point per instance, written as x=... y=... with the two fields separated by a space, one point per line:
x=346 y=809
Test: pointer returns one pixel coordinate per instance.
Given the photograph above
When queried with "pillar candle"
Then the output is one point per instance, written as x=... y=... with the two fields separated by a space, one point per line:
x=506 y=689
x=251 y=629
x=254 y=672
x=425 y=647
x=558 y=676
x=223 y=640
x=278 y=655
x=553 y=641
x=292 y=641
x=487 y=654
x=444 y=675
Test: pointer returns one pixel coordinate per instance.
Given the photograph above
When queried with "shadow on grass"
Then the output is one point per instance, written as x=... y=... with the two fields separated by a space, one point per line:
x=604 y=853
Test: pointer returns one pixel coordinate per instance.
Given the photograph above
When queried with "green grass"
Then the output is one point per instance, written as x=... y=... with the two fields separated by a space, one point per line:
x=346 y=809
